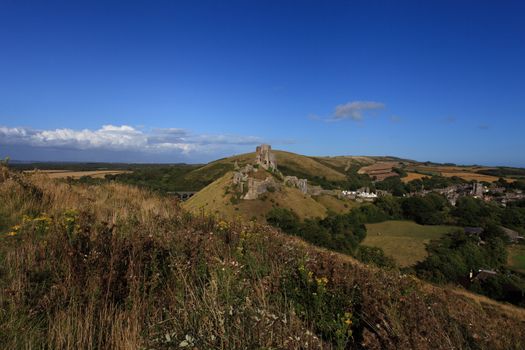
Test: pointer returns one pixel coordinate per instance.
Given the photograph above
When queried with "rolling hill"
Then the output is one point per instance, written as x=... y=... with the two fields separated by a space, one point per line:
x=289 y=163
x=217 y=198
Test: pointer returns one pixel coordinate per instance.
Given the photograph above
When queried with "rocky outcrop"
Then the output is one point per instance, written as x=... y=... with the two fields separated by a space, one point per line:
x=265 y=158
x=252 y=183
x=258 y=187
x=294 y=181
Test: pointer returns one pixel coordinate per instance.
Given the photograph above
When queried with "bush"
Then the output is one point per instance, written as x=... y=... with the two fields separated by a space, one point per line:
x=374 y=255
x=284 y=219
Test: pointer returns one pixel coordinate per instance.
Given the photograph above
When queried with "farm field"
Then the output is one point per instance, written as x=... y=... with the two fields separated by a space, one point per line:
x=97 y=174
x=516 y=260
x=380 y=170
x=471 y=176
x=468 y=173
x=413 y=176
x=405 y=241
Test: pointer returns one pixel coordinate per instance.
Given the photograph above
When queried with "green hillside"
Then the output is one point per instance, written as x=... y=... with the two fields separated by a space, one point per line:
x=405 y=241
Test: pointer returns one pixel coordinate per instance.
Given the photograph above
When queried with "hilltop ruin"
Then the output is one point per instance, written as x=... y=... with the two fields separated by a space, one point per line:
x=265 y=158
x=263 y=176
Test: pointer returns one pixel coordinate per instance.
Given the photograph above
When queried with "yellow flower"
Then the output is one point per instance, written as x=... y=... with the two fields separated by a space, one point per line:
x=223 y=225
x=12 y=233
x=321 y=280
x=16 y=228
x=43 y=218
x=348 y=322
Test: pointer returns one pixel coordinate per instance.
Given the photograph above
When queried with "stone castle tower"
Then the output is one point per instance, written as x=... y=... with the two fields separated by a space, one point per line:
x=264 y=157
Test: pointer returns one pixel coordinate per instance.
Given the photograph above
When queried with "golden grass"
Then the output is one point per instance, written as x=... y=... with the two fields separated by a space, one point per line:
x=62 y=174
x=344 y=163
x=214 y=199
x=471 y=176
x=467 y=173
x=413 y=176
x=335 y=204
x=307 y=165
x=129 y=270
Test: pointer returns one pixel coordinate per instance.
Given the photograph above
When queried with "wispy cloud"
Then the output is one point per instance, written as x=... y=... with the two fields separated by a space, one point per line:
x=449 y=120
x=395 y=119
x=354 y=110
x=122 y=138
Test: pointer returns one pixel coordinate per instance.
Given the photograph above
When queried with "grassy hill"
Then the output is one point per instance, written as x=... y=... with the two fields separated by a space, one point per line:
x=114 y=267
x=289 y=163
x=405 y=241
x=217 y=199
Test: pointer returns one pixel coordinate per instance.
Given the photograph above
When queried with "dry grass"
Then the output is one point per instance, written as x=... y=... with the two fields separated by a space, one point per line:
x=412 y=176
x=335 y=204
x=468 y=173
x=63 y=174
x=471 y=176
x=295 y=162
x=344 y=163
x=114 y=267
x=307 y=165
x=380 y=170
x=215 y=199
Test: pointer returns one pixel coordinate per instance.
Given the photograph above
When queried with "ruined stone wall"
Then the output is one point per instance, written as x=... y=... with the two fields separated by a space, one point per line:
x=264 y=157
x=257 y=187
x=294 y=181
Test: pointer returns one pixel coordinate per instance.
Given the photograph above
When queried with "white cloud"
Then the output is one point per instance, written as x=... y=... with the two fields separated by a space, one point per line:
x=122 y=138
x=354 y=110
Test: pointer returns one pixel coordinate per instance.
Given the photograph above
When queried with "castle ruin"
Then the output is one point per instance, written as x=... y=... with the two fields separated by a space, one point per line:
x=265 y=158
x=252 y=182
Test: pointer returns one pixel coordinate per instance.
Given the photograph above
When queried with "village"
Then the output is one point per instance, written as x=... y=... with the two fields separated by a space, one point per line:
x=486 y=192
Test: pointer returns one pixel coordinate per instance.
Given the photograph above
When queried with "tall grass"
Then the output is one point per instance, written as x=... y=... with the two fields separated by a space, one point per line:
x=115 y=267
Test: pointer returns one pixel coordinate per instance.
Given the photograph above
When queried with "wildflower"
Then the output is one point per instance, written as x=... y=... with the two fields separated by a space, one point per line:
x=187 y=342
x=321 y=280
x=347 y=318
x=12 y=233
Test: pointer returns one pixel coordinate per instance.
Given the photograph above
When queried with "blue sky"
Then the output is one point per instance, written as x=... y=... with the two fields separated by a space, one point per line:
x=192 y=81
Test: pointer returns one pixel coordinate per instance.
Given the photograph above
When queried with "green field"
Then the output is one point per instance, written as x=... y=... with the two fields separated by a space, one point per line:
x=404 y=241
x=517 y=258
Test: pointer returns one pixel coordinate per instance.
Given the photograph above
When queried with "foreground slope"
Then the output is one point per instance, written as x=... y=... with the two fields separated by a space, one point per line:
x=114 y=267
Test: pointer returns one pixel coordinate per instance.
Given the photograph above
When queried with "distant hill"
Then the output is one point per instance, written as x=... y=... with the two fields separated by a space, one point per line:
x=328 y=172
x=218 y=198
